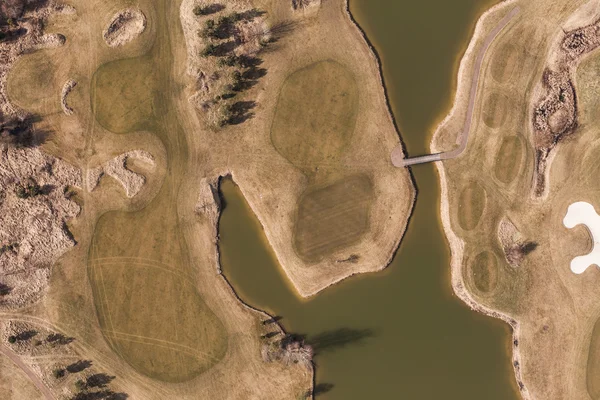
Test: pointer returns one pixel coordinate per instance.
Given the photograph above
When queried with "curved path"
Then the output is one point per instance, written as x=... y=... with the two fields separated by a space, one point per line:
x=398 y=154
x=14 y=357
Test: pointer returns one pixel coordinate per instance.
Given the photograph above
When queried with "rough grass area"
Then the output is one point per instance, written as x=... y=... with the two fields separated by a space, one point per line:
x=508 y=159
x=31 y=82
x=315 y=115
x=556 y=348
x=494 y=110
x=484 y=271
x=148 y=307
x=332 y=218
x=14 y=384
x=125 y=93
x=471 y=205
x=593 y=364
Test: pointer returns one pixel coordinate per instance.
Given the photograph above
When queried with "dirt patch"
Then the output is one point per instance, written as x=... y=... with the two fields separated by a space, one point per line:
x=515 y=247
x=35 y=206
x=67 y=87
x=555 y=110
x=117 y=169
x=332 y=218
x=124 y=27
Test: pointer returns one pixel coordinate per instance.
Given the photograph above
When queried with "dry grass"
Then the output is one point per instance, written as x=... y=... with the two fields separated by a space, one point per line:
x=315 y=115
x=333 y=217
x=125 y=92
x=151 y=307
x=553 y=311
x=14 y=384
x=509 y=159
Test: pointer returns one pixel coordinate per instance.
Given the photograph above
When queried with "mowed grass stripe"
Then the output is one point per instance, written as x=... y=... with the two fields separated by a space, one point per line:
x=332 y=218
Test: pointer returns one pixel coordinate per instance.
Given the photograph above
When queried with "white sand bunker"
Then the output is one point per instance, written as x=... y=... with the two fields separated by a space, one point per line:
x=125 y=26
x=584 y=213
x=117 y=169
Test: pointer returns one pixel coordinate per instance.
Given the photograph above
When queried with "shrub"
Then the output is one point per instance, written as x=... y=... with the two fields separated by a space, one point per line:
x=12 y=339
x=58 y=373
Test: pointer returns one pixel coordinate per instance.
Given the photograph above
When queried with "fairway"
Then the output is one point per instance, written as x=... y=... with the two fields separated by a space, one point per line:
x=125 y=93
x=332 y=218
x=147 y=304
x=315 y=115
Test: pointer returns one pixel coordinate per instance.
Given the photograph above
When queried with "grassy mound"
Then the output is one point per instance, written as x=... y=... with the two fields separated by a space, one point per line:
x=508 y=159
x=494 y=110
x=484 y=271
x=31 y=82
x=124 y=95
x=471 y=203
x=315 y=115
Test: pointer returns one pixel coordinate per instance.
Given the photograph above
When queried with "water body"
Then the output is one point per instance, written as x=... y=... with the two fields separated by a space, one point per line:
x=401 y=333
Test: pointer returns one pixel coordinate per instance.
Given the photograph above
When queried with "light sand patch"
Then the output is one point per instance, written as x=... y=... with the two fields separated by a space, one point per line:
x=67 y=87
x=124 y=27
x=584 y=213
x=117 y=169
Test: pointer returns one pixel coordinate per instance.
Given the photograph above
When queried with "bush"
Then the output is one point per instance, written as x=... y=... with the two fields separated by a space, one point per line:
x=209 y=50
x=12 y=339
x=58 y=373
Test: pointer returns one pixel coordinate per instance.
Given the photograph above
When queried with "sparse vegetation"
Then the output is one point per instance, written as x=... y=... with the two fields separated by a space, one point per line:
x=31 y=189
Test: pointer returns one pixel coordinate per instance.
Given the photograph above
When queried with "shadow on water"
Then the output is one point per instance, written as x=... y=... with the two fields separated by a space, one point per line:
x=337 y=339
x=400 y=333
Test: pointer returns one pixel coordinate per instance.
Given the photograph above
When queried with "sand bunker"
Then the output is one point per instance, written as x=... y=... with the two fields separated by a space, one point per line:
x=67 y=87
x=117 y=168
x=124 y=27
x=584 y=213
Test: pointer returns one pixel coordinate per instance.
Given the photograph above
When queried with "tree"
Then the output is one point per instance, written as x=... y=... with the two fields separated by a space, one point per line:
x=58 y=373
x=12 y=339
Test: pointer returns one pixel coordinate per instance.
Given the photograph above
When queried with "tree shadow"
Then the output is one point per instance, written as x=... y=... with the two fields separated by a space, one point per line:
x=320 y=388
x=20 y=132
x=5 y=289
x=239 y=112
x=99 y=380
x=26 y=335
x=209 y=9
x=339 y=338
x=59 y=338
x=100 y=395
x=272 y=320
x=79 y=366
x=270 y=335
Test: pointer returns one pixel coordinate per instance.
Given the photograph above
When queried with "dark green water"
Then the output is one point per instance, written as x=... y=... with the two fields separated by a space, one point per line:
x=398 y=334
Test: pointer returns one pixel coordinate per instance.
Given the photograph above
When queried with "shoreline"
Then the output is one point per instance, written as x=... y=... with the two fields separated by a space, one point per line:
x=455 y=243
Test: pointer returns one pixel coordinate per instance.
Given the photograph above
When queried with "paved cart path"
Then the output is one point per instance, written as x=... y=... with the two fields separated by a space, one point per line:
x=14 y=357
x=398 y=154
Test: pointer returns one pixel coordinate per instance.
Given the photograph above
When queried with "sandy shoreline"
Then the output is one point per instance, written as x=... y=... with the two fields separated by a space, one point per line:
x=456 y=244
